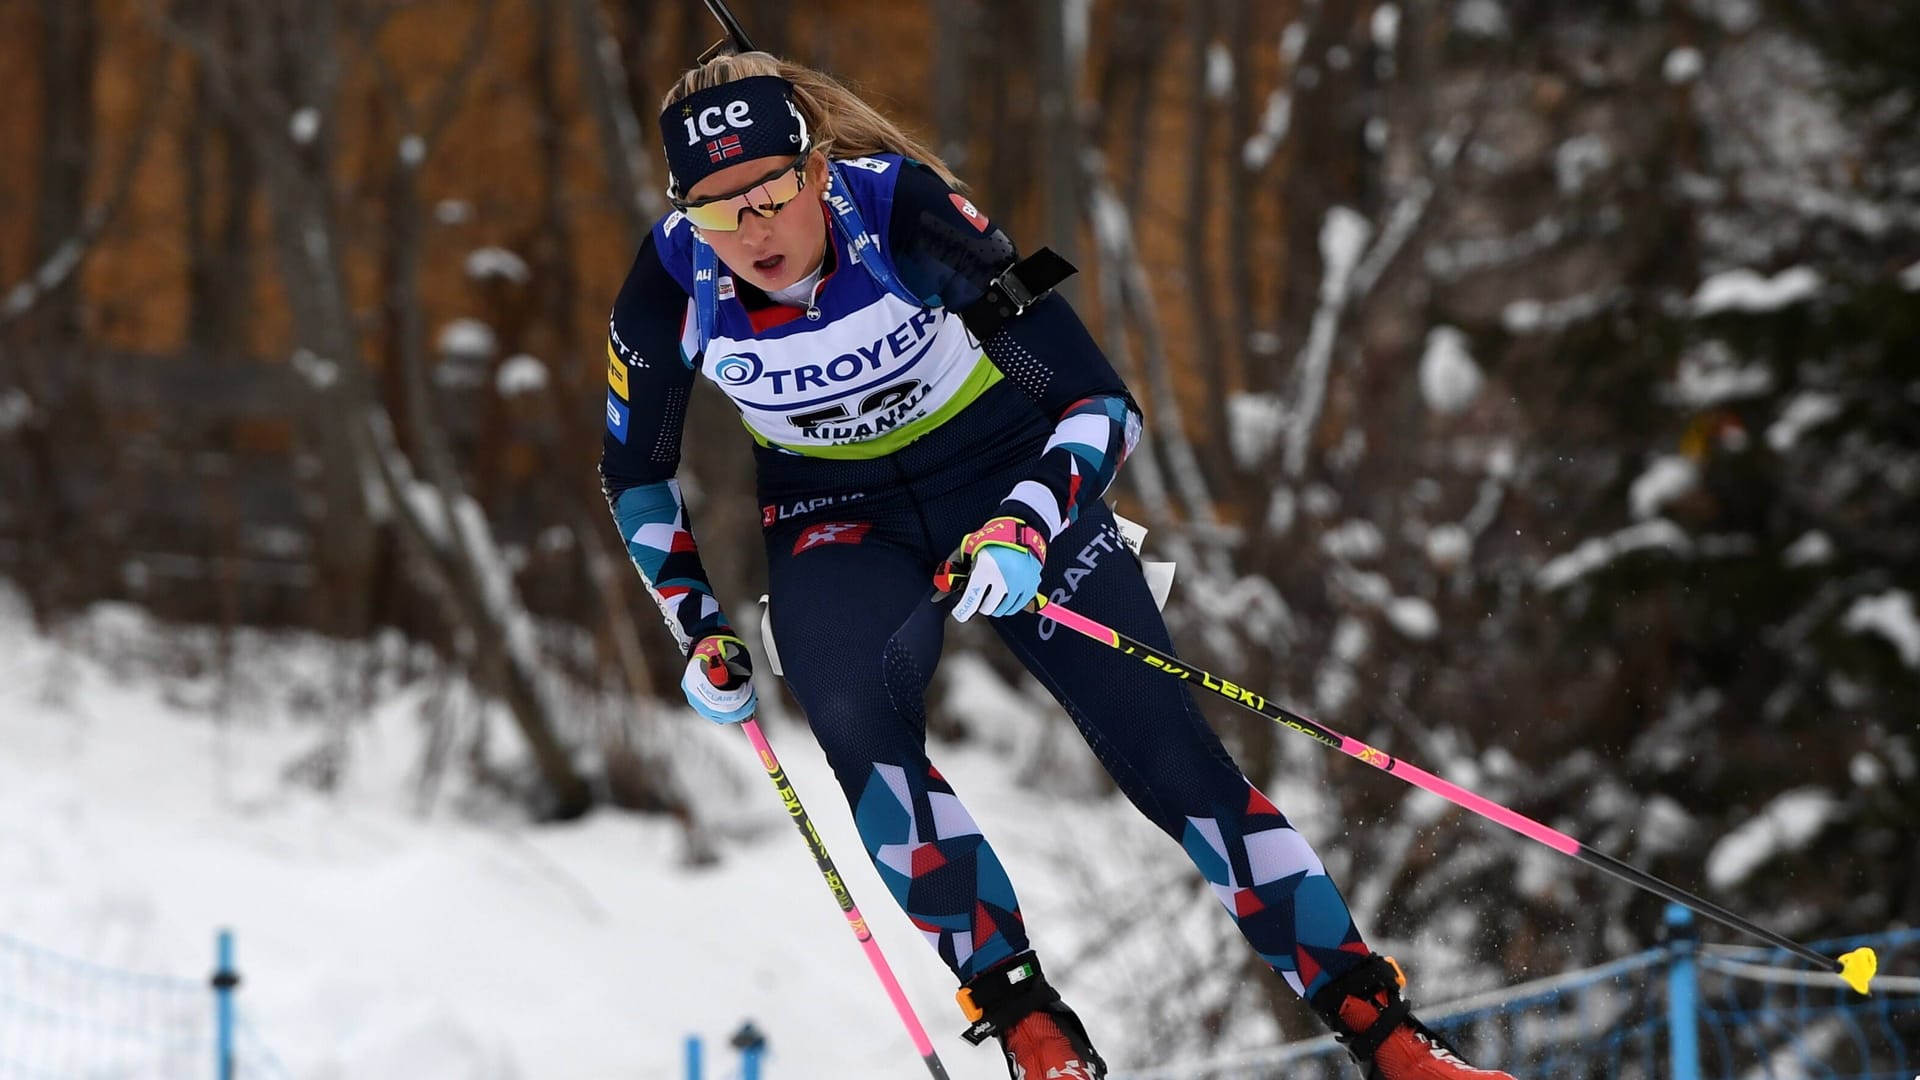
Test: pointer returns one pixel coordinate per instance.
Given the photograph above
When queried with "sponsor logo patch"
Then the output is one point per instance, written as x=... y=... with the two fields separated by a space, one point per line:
x=774 y=513
x=832 y=532
x=617 y=375
x=617 y=416
x=972 y=212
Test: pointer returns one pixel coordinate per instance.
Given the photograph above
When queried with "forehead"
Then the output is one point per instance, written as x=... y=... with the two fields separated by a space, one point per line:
x=736 y=176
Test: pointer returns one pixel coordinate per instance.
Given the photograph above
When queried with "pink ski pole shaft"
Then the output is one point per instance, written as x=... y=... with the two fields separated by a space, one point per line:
x=1857 y=968
x=839 y=889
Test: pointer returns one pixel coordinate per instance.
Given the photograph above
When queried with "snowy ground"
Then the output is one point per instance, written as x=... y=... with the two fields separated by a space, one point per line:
x=380 y=941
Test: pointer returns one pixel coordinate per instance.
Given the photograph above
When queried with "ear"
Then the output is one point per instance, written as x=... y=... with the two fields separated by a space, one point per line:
x=817 y=172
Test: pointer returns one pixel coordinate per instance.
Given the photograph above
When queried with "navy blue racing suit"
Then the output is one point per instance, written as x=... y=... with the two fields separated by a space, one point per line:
x=884 y=432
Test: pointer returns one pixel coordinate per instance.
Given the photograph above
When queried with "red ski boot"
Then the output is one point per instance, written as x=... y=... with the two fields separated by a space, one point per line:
x=1369 y=1017
x=1042 y=1038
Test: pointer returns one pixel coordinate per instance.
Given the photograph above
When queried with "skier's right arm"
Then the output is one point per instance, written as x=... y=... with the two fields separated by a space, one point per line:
x=648 y=383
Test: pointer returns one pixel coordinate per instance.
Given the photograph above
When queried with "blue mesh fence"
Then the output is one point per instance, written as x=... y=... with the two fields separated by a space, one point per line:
x=67 y=1019
x=1758 y=1014
x=1765 y=1015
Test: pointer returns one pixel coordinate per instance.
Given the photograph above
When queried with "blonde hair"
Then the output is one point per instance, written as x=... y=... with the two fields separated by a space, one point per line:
x=841 y=124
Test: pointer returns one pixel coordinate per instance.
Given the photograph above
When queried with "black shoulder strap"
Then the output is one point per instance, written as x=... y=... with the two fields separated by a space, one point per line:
x=1015 y=290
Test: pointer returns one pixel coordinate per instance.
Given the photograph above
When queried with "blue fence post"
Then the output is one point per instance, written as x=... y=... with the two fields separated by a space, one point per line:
x=225 y=979
x=693 y=1057
x=752 y=1046
x=1683 y=995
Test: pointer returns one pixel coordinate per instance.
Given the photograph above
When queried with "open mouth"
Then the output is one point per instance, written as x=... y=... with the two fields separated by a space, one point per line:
x=770 y=265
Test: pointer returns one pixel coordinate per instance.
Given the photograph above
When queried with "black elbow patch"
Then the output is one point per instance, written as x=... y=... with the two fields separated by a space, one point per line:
x=1014 y=291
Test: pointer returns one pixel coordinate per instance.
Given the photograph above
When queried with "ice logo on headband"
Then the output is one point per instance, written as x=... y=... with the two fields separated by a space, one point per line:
x=738 y=369
x=716 y=120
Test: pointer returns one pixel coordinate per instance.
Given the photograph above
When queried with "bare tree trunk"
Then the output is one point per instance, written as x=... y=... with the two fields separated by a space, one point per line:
x=1059 y=136
x=66 y=116
x=953 y=21
x=625 y=136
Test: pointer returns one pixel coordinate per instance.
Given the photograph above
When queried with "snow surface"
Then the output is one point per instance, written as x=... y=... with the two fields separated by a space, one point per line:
x=1785 y=825
x=1746 y=291
x=1449 y=379
x=1889 y=614
x=378 y=940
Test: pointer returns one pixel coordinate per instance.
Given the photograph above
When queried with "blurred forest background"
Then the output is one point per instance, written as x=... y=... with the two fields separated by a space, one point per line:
x=1532 y=389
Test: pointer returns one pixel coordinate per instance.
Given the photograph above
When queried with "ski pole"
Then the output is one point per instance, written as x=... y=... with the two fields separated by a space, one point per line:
x=839 y=889
x=1856 y=968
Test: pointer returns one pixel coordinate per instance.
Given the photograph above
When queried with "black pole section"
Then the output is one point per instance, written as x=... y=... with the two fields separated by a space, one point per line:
x=731 y=24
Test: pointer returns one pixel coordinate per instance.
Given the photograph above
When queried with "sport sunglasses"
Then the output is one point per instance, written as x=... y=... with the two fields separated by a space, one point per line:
x=766 y=196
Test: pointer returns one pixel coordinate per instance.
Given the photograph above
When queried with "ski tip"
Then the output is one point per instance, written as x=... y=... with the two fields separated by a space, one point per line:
x=1858 y=968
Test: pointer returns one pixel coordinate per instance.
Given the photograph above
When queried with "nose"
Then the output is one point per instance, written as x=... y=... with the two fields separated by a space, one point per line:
x=755 y=231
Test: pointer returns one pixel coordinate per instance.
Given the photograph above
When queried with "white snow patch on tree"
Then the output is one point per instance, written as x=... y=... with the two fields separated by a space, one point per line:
x=1667 y=478
x=1812 y=549
x=1910 y=278
x=319 y=372
x=304 y=125
x=1531 y=316
x=1413 y=617
x=467 y=339
x=1481 y=18
x=1449 y=379
x=1745 y=290
x=1711 y=375
x=1600 y=552
x=1804 y=413
x=1448 y=546
x=1786 y=824
x=1351 y=639
x=488 y=263
x=1385 y=26
x=1889 y=614
x=1274 y=123
x=453 y=211
x=16 y=408
x=1293 y=42
x=520 y=374
x=413 y=151
x=1254 y=424
x=1683 y=65
x=1665 y=826
x=1219 y=71
x=1578 y=160
x=1353 y=541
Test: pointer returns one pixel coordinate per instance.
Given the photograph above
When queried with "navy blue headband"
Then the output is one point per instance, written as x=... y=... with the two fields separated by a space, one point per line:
x=711 y=129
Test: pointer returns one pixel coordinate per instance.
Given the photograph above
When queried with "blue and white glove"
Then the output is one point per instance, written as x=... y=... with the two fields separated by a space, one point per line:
x=719 y=679
x=998 y=568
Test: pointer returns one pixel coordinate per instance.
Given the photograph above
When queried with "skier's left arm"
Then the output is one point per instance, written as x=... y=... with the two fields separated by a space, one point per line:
x=948 y=253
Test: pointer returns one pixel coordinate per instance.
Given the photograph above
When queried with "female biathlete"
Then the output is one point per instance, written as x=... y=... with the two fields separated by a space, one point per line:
x=915 y=392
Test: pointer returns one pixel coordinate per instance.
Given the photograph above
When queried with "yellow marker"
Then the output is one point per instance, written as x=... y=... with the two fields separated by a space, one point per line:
x=1858 y=968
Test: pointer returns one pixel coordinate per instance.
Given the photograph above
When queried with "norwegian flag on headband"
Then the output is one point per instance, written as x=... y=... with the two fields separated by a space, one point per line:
x=720 y=149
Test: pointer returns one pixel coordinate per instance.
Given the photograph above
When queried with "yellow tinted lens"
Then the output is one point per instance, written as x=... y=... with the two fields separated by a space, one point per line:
x=765 y=199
